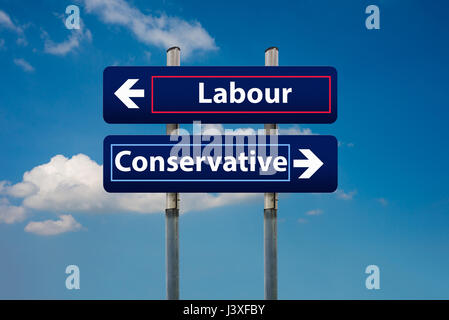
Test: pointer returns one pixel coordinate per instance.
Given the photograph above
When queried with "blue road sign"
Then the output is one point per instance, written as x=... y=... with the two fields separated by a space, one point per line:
x=220 y=94
x=230 y=163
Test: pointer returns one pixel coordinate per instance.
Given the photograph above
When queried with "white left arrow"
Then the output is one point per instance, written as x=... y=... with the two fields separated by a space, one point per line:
x=312 y=163
x=125 y=93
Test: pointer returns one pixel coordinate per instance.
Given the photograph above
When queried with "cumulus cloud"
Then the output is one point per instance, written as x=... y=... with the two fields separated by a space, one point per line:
x=76 y=185
x=25 y=65
x=71 y=43
x=197 y=201
x=341 y=194
x=21 y=189
x=10 y=213
x=208 y=128
x=7 y=23
x=314 y=212
x=295 y=130
x=346 y=144
x=66 y=223
x=161 y=31
x=216 y=128
x=3 y=186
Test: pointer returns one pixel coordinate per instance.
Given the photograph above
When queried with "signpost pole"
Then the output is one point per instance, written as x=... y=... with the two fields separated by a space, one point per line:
x=172 y=211
x=270 y=211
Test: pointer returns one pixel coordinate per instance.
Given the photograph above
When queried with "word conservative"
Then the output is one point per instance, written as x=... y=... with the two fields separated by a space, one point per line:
x=243 y=162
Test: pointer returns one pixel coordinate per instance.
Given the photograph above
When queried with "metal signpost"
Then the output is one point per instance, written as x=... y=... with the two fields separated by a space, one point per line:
x=267 y=162
x=270 y=209
x=172 y=211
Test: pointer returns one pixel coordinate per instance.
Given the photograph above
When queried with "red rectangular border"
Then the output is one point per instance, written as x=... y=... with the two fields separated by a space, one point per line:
x=330 y=86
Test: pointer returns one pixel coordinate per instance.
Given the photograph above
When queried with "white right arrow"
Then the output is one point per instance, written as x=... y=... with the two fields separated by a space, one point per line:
x=125 y=93
x=313 y=163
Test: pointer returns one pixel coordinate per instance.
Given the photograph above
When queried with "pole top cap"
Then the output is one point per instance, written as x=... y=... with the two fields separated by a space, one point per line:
x=277 y=49
x=172 y=48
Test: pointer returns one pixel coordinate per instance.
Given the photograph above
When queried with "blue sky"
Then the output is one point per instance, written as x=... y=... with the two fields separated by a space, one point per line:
x=391 y=209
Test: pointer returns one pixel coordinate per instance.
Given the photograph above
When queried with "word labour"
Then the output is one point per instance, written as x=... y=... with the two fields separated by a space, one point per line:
x=239 y=95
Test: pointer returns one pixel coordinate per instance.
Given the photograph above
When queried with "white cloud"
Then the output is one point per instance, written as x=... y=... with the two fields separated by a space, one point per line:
x=314 y=212
x=66 y=223
x=383 y=201
x=346 y=144
x=302 y=220
x=71 y=43
x=243 y=131
x=21 y=189
x=203 y=201
x=162 y=31
x=209 y=128
x=295 y=130
x=25 y=65
x=216 y=128
x=341 y=194
x=219 y=129
x=11 y=214
x=3 y=186
x=147 y=55
x=75 y=185
x=22 y=41
x=6 y=22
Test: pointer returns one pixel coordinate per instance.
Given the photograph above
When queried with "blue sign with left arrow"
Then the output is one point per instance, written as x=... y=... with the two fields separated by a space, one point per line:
x=220 y=94
x=226 y=163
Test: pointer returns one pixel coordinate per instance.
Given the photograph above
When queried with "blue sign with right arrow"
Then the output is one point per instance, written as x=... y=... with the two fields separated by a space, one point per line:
x=229 y=163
